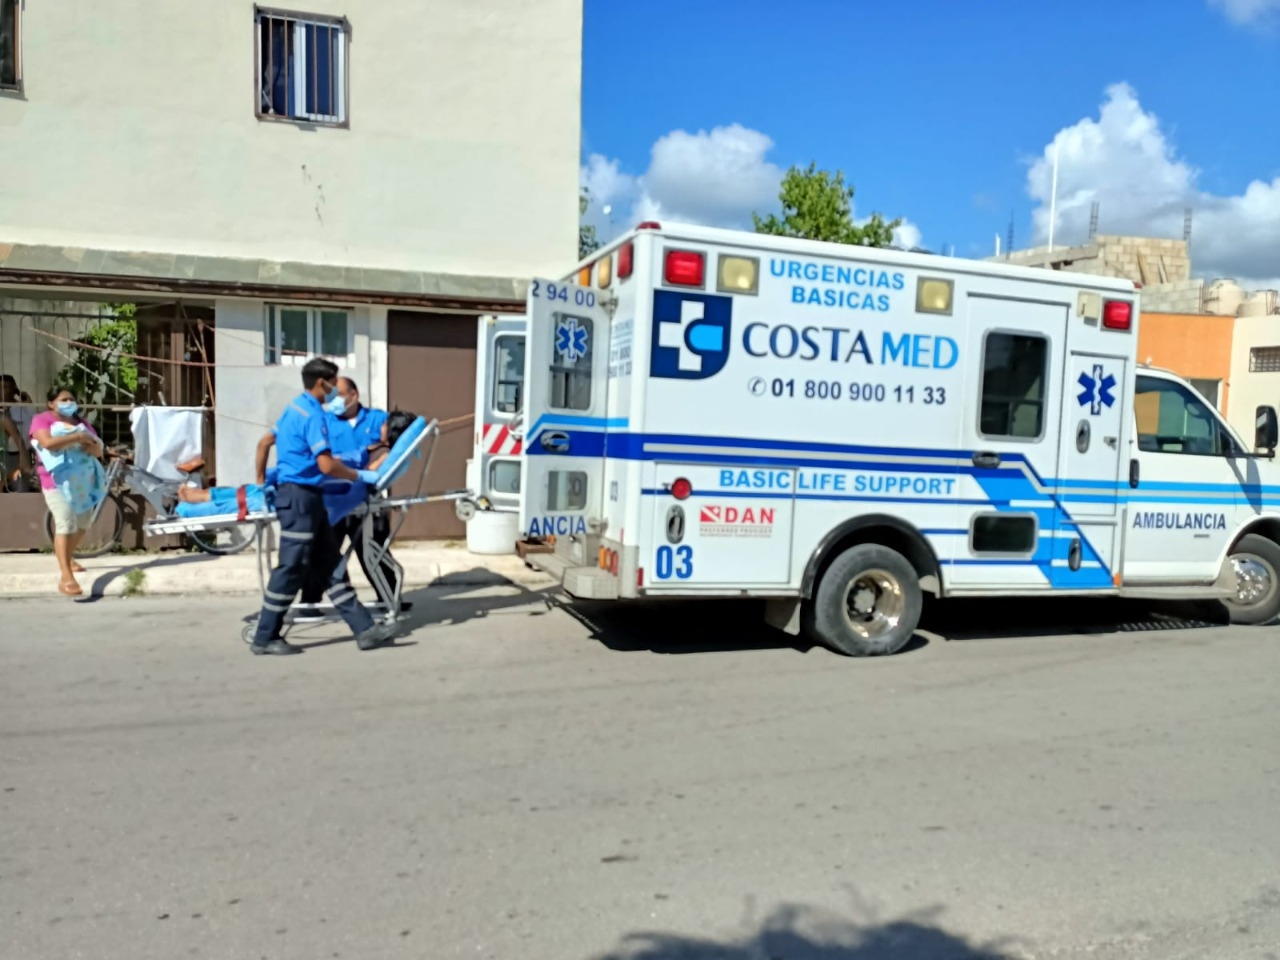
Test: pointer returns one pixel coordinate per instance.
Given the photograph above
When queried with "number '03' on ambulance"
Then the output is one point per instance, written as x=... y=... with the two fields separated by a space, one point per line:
x=838 y=430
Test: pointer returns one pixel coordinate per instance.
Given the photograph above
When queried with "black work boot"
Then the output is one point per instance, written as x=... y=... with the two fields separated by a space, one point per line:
x=375 y=636
x=279 y=647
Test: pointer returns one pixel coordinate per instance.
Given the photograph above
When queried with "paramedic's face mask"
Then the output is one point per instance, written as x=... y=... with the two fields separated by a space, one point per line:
x=350 y=402
x=333 y=400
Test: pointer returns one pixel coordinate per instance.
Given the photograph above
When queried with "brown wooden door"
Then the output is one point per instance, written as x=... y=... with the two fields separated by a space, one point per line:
x=431 y=371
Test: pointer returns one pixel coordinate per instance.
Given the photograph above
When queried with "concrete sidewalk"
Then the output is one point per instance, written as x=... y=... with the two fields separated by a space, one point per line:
x=177 y=573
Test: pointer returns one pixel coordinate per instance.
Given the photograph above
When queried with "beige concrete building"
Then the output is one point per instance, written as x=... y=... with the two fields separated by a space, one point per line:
x=1145 y=260
x=361 y=178
x=1225 y=339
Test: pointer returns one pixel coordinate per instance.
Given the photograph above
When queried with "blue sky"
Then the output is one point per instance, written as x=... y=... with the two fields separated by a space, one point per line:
x=945 y=112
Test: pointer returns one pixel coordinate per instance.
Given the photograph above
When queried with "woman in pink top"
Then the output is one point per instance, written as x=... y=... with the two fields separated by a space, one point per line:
x=69 y=528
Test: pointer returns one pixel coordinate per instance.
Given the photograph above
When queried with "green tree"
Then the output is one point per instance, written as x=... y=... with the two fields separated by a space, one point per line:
x=101 y=368
x=818 y=206
x=588 y=242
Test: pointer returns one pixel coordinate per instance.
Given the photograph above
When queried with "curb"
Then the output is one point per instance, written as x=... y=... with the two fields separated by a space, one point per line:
x=192 y=574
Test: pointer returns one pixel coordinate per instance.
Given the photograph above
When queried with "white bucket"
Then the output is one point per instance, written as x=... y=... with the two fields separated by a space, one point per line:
x=493 y=533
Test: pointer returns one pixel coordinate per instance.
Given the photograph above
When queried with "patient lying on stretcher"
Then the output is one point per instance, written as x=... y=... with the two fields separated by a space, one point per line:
x=340 y=497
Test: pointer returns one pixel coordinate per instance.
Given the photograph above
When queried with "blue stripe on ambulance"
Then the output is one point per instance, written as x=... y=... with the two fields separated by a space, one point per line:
x=1014 y=487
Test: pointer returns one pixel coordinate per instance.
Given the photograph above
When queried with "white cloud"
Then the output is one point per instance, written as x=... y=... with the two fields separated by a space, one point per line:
x=714 y=178
x=1126 y=162
x=907 y=235
x=1247 y=11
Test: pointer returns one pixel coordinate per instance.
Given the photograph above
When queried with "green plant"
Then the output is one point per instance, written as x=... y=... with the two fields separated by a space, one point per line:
x=134 y=581
x=588 y=242
x=102 y=368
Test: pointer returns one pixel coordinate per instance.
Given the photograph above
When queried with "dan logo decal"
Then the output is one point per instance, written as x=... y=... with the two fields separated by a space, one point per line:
x=690 y=335
x=733 y=521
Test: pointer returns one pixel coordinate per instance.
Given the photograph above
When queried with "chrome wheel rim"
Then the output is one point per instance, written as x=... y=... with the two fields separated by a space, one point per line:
x=1254 y=580
x=873 y=603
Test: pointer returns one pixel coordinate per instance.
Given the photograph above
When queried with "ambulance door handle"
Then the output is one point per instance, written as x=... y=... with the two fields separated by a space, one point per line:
x=1133 y=472
x=555 y=441
x=986 y=459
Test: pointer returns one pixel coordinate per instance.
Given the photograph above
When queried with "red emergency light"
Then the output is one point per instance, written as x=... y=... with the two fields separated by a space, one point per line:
x=626 y=259
x=684 y=268
x=681 y=489
x=1117 y=315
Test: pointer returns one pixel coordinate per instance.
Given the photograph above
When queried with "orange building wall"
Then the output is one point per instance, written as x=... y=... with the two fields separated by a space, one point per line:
x=1190 y=344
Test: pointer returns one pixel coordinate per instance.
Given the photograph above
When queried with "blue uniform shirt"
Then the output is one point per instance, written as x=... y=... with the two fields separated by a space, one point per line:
x=302 y=433
x=352 y=438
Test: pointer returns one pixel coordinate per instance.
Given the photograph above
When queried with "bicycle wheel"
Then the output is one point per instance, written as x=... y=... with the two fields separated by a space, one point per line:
x=104 y=534
x=224 y=541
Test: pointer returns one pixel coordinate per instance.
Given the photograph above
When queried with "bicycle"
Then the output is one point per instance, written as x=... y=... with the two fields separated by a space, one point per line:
x=107 y=523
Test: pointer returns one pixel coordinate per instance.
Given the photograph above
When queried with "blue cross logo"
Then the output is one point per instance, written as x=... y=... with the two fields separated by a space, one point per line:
x=1096 y=390
x=571 y=340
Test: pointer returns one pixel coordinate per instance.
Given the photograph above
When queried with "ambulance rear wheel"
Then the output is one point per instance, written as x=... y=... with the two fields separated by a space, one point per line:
x=1257 y=563
x=867 y=603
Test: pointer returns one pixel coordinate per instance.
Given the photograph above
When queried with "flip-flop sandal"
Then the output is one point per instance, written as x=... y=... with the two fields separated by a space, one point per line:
x=70 y=589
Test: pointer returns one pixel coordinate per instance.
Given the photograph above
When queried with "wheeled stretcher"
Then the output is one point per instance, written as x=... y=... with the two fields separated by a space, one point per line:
x=342 y=500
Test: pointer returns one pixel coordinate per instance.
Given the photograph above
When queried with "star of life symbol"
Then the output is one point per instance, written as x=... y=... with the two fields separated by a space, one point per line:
x=571 y=340
x=676 y=336
x=1096 y=390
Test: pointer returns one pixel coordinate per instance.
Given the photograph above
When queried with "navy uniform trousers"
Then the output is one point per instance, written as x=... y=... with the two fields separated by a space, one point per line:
x=307 y=541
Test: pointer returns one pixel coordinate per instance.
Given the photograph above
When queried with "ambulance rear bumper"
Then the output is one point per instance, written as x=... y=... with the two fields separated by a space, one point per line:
x=582 y=583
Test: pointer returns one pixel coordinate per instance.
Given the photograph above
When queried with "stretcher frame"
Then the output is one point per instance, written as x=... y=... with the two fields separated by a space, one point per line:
x=389 y=590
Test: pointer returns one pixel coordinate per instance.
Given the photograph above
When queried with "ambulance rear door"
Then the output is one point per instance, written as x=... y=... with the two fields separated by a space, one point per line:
x=495 y=463
x=566 y=395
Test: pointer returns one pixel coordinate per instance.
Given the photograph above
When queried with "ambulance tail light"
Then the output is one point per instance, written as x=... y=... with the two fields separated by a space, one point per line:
x=604 y=272
x=681 y=488
x=684 y=268
x=626 y=260
x=1117 y=315
x=584 y=276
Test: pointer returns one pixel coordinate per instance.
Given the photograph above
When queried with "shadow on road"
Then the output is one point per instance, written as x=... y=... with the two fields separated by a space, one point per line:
x=709 y=626
x=682 y=626
x=795 y=932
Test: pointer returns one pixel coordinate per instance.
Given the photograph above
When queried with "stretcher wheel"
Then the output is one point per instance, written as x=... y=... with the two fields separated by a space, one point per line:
x=247 y=632
x=465 y=510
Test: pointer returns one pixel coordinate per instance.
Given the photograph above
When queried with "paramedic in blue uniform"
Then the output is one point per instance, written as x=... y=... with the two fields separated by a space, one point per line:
x=304 y=460
x=358 y=434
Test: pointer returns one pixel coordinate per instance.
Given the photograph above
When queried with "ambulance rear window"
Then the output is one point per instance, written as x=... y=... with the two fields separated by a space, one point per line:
x=1015 y=369
x=508 y=372
x=573 y=351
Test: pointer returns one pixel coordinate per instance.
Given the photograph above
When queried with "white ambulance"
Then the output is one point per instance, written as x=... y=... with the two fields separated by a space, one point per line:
x=708 y=413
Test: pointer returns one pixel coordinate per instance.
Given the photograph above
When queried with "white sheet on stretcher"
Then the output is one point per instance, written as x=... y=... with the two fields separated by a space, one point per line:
x=166 y=436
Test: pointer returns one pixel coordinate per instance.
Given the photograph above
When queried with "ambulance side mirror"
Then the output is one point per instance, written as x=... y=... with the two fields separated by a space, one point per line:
x=1265 y=431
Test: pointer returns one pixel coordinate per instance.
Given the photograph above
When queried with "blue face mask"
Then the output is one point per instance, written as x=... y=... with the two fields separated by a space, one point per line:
x=335 y=404
x=68 y=408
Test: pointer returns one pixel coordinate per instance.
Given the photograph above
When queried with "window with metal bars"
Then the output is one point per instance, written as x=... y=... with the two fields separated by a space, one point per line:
x=1264 y=360
x=301 y=67
x=10 y=48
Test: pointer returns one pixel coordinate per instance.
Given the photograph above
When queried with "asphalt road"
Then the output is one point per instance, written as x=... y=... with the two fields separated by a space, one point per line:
x=657 y=783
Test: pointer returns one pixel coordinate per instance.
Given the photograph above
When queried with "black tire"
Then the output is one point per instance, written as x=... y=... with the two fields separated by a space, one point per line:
x=103 y=536
x=1258 y=599
x=236 y=537
x=867 y=572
